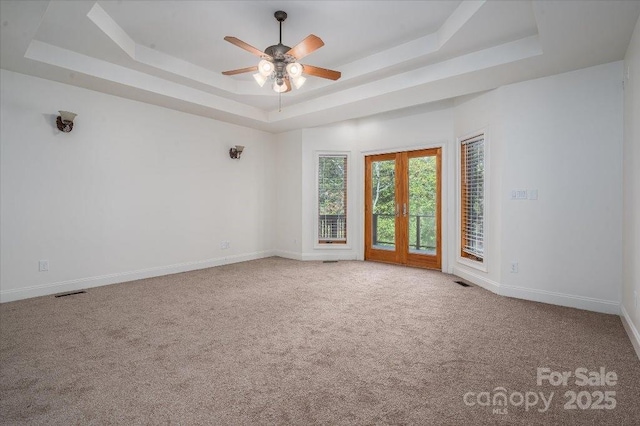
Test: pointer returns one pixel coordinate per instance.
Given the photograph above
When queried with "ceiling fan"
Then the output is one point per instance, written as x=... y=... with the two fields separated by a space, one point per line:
x=280 y=63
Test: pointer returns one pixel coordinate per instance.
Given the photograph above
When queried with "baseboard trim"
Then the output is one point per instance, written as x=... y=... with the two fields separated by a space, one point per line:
x=120 y=277
x=329 y=256
x=554 y=298
x=535 y=295
x=631 y=330
x=478 y=280
x=288 y=254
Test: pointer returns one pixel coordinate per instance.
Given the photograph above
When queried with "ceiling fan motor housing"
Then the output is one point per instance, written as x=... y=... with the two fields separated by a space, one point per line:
x=278 y=52
x=280 y=59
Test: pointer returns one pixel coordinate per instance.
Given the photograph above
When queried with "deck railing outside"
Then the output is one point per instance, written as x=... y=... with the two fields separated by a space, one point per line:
x=419 y=224
x=334 y=227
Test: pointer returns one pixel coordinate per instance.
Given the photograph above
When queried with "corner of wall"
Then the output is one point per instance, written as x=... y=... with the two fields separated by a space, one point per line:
x=632 y=331
x=631 y=191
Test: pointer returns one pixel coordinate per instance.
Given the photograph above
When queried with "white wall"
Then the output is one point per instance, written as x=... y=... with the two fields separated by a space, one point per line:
x=562 y=135
x=121 y=198
x=631 y=190
x=425 y=127
x=133 y=191
x=288 y=216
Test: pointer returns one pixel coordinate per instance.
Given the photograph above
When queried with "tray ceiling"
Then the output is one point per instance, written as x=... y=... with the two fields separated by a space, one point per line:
x=392 y=54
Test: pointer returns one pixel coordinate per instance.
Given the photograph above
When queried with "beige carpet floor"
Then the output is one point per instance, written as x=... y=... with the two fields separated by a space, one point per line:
x=277 y=341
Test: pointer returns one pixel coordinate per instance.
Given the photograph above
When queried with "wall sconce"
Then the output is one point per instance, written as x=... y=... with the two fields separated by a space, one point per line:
x=65 y=121
x=236 y=152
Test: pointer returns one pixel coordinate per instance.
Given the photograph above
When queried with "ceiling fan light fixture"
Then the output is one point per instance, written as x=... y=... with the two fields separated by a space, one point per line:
x=298 y=81
x=294 y=69
x=260 y=79
x=265 y=68
x=279 y=88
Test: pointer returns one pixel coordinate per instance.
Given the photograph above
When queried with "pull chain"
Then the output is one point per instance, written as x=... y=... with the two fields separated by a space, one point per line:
x=280 y=102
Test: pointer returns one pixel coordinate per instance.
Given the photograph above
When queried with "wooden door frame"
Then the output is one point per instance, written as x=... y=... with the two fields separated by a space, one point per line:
x=401 y=254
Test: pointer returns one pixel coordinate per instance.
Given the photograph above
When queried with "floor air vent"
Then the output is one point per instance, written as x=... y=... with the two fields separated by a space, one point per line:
x=462 y=283
x=71 y=293
x=329 y=261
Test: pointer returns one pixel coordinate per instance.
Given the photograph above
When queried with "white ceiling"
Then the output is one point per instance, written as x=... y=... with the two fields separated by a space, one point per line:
x=392 y=54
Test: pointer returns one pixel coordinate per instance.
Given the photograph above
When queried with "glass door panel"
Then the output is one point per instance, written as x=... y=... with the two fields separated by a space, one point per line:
x=383 y=204
x=423 y=189
x=422 y=205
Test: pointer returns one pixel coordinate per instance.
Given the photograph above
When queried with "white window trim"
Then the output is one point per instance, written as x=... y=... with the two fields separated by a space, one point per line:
x=350 y=195
x=481 y=266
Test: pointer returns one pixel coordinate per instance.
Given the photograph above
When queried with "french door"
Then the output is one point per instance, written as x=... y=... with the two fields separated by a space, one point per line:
x=402 y=208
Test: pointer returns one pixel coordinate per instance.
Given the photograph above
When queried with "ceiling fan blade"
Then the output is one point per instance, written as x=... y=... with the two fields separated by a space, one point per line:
x=306 y=46
x=288 y=84
x=242 y=45
x=241 y=70
x=321 y=72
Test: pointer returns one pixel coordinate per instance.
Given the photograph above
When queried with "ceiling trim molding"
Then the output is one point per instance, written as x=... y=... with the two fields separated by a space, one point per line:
x=412 y=50
x=77 y=62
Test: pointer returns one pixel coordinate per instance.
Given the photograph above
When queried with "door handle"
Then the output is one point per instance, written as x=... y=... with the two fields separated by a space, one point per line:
x=397 y=210
x=404 y=210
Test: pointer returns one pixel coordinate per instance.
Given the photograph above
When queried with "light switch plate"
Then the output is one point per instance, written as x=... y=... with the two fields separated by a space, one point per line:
x=519 y=194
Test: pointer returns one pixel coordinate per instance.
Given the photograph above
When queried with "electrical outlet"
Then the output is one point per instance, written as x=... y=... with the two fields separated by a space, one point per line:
x=43 y=266
x=224 y=245
x=514 y=267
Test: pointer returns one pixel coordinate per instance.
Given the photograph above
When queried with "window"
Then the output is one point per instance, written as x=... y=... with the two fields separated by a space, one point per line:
x=332 y=199
x=472 y=198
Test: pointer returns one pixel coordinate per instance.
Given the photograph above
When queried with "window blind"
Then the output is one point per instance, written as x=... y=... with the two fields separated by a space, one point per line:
x=472 y=198
x=332 y=199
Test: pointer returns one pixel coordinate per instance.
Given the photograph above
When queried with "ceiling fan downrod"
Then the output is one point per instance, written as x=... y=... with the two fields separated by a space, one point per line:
x=280 y=17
